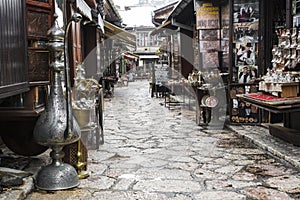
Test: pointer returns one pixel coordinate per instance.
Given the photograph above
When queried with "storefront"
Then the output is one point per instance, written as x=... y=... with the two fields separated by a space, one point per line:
x=241 y=42
x=128 y=62
x=279 y=84
x=117 y=43
x=261 y=39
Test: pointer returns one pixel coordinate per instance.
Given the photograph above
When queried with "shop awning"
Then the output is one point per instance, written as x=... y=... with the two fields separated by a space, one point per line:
x=114 y=32
x=144 y=57
x=131 y=56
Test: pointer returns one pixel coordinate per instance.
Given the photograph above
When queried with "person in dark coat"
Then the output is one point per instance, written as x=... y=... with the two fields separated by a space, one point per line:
x=244 y=76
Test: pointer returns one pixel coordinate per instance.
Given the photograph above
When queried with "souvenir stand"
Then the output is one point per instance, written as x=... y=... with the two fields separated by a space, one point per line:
x=246 y=64
x=279 y=87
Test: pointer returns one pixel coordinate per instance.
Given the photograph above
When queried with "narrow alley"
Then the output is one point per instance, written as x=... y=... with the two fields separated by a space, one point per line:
x=150 y=100
x=151 y=152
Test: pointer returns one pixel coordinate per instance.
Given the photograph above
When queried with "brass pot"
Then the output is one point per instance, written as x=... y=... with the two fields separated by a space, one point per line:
x=82 y=116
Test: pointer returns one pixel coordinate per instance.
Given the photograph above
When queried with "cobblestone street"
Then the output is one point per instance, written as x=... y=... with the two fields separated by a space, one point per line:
x=151 y=152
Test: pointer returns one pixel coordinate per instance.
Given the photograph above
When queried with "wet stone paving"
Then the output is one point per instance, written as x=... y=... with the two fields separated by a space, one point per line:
x=154 y=153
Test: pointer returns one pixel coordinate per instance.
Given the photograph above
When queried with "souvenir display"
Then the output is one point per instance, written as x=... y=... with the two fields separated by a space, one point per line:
x=285 y=55
x=282 y=77
x=244 y=72
x=242 y=112
x=245 y=40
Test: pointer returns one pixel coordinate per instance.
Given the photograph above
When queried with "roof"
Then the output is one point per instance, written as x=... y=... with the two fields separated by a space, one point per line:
x=181 y=16
x=162 y=13
x=165 y=26
x=166 y=7
x=179 y=8
x=114 y=32
x=111 y=13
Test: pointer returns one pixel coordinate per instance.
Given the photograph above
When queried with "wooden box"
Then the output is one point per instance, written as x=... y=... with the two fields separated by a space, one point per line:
x=289 y=90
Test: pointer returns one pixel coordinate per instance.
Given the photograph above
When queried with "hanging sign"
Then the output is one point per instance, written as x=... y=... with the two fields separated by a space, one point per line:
x=207 y=15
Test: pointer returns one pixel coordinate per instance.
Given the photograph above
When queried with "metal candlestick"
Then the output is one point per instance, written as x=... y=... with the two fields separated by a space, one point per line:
x=57 y=127
x=80 y=165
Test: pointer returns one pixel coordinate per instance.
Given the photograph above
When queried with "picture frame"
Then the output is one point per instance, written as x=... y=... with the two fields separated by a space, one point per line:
x=245 y=11
x=209 y=34
x=246 y=73
x=246 y=33
x=245 y=54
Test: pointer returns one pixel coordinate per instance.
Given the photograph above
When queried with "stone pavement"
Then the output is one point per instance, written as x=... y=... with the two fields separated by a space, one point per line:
x=151 y=152
x=259 y=135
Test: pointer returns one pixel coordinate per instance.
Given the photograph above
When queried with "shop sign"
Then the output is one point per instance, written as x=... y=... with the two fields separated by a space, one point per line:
x=207 y=15
x=161 y=73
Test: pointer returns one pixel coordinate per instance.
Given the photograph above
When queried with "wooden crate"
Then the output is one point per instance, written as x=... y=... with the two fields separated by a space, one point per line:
x=289 y=90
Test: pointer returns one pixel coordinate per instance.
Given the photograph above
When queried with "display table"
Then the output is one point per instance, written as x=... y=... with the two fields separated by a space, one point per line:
x=290 y=107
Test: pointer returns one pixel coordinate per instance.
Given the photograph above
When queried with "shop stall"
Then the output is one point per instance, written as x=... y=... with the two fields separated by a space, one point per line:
x=289 y=107
x=277 y=89
x=247 y=44
x=246 y=64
